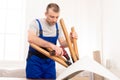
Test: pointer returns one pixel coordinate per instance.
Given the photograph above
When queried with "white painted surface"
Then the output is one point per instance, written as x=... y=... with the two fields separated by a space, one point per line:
x=12 y=29
x=111 y=34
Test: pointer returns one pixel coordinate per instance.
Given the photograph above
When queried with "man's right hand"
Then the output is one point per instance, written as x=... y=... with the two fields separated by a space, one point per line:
x=58 y=50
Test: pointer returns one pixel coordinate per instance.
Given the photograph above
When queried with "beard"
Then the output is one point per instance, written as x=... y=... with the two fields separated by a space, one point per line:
x=51 y=23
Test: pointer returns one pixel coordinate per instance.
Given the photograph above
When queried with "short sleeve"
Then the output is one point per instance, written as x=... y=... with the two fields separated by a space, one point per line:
x=34 y=27
x=61 y=35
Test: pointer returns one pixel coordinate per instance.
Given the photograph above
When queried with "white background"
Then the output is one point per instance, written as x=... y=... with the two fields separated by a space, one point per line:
x=12 y=29
x=95 y=21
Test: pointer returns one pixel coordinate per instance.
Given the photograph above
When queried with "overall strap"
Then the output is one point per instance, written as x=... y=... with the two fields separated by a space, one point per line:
x=40 y=28
x=57 y=30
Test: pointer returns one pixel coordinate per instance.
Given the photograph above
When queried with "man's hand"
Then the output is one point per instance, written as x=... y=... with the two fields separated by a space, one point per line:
x=73 y=35
x=58 y=50
x=63 y=41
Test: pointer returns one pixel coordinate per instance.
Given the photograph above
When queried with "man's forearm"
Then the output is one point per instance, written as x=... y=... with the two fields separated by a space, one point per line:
x=64 y=44
x=40 y=42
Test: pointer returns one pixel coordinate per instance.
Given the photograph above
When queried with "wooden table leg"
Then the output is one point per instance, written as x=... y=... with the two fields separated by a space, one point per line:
x=73 y=55
x=55 y=58
x=75 y=44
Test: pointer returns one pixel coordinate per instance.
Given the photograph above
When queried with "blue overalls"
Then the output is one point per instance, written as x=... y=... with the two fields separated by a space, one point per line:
x=38 y=65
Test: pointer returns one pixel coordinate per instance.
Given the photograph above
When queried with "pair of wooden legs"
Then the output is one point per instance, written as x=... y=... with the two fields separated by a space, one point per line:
x=72 y=47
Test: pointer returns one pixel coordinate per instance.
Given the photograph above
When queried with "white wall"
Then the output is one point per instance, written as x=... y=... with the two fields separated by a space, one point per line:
x=111 y=32
x=12 y=29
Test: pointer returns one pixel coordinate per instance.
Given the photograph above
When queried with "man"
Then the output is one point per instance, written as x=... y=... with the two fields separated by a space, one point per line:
x=44 y=33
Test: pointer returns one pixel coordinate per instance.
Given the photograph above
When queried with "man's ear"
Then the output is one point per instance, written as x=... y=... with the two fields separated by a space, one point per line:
x=45 y=13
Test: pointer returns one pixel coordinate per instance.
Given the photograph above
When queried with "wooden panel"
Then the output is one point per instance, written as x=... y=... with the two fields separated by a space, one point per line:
x=80 y=78
x=97 y=57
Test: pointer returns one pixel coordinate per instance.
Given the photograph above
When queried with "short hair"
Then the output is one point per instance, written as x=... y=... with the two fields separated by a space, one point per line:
x=54 y=6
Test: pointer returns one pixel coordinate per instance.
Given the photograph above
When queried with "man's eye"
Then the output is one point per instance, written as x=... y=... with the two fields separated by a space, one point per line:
x=52 y=16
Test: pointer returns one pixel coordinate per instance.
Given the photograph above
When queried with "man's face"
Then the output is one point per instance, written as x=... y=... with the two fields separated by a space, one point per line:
x=51 y=16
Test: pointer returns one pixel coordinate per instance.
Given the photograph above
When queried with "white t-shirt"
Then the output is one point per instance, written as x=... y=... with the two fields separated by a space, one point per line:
x=48 y=31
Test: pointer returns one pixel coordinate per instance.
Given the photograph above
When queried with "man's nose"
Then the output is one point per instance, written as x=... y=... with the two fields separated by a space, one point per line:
x=55 y=20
